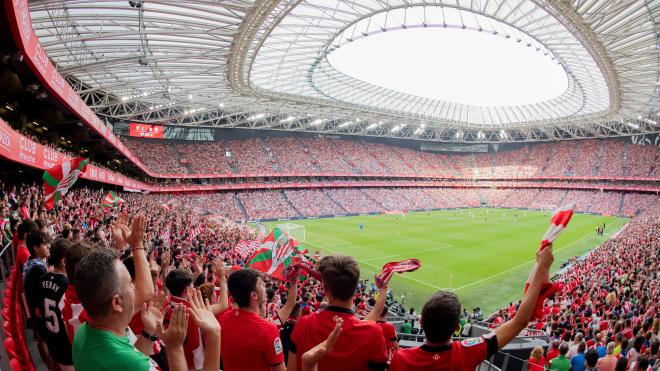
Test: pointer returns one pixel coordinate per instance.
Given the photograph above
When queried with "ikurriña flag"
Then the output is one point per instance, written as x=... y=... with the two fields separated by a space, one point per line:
x=277 y=251
x=111 y=199
x=60 y=178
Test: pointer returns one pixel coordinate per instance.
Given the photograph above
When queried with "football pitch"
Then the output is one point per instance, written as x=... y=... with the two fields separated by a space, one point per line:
x=480 y=254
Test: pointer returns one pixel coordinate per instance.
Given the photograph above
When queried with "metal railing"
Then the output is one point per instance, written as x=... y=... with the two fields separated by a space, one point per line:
x=6 y=260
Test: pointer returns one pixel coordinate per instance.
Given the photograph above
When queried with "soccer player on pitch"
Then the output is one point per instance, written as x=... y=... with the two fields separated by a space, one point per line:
x=440 y=318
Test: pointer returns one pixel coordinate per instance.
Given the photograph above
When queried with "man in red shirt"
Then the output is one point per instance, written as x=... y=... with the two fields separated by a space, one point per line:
x=22 y=252
x=179 y=283
x=73 y=313
x=389 y=334
x=361 y=345
x=249 y=342
x=440 y=318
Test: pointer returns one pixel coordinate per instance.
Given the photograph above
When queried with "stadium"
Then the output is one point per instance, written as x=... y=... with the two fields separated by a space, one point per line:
x=330 y=184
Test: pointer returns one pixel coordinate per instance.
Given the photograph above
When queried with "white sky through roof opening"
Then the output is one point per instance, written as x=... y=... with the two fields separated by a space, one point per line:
x=455 y=65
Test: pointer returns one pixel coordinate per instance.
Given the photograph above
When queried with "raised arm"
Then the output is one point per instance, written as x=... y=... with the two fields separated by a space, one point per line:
x=200 y=312
x=223 y=299
x=173 y=338
x=144 y=286
x=291 y=298
x=540 y=274
x=378 y=307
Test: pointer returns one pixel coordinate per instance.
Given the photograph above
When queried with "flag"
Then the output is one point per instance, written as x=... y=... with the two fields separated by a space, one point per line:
x=277 y=251
x=558 y=223
x=165 y=236
x=245 y=248
x=111 y=199
x=389 y=269
x=195 y=232
x=59 y=178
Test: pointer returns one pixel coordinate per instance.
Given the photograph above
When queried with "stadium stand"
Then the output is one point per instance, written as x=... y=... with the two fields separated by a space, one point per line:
x=141 y=264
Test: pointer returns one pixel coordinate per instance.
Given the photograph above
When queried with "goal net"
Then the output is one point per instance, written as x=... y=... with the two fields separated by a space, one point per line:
x=295 y=231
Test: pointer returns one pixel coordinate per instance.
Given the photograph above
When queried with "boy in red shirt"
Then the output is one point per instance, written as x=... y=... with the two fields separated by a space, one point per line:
x=249 y=342
x=361 y=345
x=440 y=318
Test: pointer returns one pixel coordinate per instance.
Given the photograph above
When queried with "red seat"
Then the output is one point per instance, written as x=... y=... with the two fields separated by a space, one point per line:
x=6 y=326
x=6 y=314
x=15 y=365
x=10 y=347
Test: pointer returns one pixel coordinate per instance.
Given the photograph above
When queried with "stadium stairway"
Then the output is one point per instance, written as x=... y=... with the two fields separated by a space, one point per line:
x=241 y=206
x=271 y=158
x=291 y=204
x=622 y=204
x=372 y=199
x=355 y=169
x=313 y=159
x=624 y=160
x=179 y=156
x=335 y=202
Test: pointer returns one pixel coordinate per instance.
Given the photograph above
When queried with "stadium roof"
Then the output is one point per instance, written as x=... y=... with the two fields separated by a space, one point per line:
x=267 y=64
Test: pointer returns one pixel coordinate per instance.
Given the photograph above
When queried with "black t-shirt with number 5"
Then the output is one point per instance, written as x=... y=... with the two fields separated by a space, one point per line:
x=52 y=288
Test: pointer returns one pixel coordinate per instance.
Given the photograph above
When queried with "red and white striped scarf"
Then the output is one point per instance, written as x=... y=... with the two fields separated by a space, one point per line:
x=389 y=269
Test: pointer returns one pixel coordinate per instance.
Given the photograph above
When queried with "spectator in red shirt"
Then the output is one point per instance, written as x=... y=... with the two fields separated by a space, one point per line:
x=179 y=283
x=361 y=345
x=553 y=352
x=389 y=334
x=22 y=252
x=249 y=342
x=440 y=318
x=536 y=360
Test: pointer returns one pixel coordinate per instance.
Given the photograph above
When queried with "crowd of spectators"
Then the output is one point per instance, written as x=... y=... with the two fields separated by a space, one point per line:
x=642 y=161
x=607 y=314
x=327 y=155
x=184 y=244
x=583 y=200
x=290 y=155
x=266 y=205
x=353 y=200
x=313 y=202
x=204 y=157
x=158 y=156
x=249 y=156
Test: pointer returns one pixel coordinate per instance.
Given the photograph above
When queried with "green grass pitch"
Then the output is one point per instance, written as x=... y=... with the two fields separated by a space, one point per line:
x=485 y=259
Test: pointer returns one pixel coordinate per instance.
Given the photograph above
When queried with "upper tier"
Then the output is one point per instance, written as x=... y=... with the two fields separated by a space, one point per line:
x=325 y=156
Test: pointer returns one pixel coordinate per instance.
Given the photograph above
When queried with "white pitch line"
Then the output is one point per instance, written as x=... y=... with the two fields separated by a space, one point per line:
x=514 y=268
x=394 y=256
x=367 y=230
x=379 y=268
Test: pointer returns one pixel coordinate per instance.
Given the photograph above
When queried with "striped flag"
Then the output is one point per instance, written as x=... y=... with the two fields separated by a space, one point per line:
x=558 y=223
x=245 y=248
x=111 y=199
x=195 y=232
x=59 y=178
x=389 y=269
